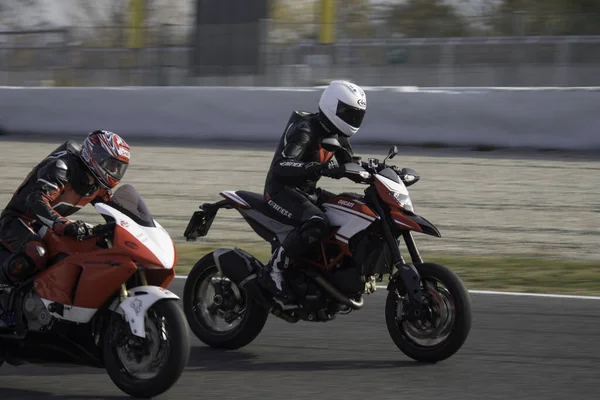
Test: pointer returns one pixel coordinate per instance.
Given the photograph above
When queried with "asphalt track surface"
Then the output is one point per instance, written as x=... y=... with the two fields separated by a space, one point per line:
x=519 y=347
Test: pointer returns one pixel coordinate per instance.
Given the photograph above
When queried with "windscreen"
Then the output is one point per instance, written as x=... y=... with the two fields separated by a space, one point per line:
x=390 y=174
x=127 y=200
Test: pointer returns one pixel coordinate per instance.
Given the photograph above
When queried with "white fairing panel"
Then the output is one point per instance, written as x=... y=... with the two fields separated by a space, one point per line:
x=400 y=191
x=155 y=239
x=350 y=221
x=72 y=313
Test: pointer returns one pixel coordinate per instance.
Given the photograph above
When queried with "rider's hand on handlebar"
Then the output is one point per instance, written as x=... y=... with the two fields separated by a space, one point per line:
x=336 y=172
x=77 y=230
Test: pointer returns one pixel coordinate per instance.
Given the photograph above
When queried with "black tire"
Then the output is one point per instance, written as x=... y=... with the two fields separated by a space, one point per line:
x=251 y=324
x=462 y=319
x=179 y=352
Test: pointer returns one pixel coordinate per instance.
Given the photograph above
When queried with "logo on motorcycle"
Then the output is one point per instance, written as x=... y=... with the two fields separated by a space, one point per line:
x=137 y=306
x=346 y=203
x=124 y=223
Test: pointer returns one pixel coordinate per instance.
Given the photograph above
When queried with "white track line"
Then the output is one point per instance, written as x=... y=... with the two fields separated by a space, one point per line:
x=519 y=294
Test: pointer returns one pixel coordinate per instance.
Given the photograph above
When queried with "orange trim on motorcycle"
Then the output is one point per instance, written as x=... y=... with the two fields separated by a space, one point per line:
x=418 y=223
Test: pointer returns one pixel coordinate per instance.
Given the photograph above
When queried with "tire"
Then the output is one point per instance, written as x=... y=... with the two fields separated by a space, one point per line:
x=176 y=360
x=461 y=324
x=248 y=328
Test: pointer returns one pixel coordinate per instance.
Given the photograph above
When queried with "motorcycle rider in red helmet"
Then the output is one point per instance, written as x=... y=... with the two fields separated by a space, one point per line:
x=68 y=179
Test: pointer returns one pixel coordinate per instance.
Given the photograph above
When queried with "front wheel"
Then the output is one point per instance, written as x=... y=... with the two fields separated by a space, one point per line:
x=147 y=367
x=443 y=327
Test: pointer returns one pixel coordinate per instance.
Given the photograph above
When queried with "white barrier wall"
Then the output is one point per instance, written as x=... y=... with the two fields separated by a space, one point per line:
x=548 y=118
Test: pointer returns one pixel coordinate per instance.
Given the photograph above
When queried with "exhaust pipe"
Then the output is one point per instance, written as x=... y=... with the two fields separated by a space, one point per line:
x=353 y=304
x=241 y=268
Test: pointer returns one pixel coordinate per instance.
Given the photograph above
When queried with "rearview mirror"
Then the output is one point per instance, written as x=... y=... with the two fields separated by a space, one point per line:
x=392 y=153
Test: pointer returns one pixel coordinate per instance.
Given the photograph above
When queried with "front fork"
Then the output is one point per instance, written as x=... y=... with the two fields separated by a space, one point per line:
x=407 y=274
x=123 y=294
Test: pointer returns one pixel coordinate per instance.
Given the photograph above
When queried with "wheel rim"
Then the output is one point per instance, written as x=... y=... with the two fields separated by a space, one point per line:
x=436 y=325
x=144 y=358
x=218 y=304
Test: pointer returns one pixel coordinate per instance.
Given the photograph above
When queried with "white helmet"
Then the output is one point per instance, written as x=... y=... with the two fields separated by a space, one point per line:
x=344 y=104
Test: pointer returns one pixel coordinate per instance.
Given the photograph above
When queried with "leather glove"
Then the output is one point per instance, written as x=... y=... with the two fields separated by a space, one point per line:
x=77 y=230
x=336 y=172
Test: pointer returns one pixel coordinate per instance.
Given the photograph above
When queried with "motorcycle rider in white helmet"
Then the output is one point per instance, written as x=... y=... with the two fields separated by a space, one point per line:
x=312 y=145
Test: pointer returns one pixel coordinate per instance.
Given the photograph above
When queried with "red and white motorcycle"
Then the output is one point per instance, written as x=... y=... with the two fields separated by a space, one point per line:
x=428 y=309
x=102 y=302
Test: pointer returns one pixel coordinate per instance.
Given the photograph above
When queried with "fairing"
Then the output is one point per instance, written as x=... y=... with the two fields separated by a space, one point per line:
x=393 y=193
x=349 y=215
x=146 y=244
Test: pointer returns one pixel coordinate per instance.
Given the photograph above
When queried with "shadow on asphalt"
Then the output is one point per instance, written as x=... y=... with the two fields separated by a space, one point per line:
x=18 y=394
x=203 y=357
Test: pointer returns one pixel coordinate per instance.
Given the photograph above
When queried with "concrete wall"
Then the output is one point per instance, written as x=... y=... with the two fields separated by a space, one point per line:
x=551 y=118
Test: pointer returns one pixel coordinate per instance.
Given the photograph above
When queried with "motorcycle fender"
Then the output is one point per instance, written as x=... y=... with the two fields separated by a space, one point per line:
x=135 y=306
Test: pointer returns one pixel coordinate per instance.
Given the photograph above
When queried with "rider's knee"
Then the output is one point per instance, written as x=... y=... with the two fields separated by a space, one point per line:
x=37 y=252
x=315 y=229
x=26 y=263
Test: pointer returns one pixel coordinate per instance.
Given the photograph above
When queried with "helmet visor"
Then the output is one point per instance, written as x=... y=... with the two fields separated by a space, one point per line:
x=113 y=167
x=351 y=115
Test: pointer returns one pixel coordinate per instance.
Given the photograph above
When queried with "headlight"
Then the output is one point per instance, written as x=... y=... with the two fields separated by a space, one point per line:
x=404 y=201
x=408 y=205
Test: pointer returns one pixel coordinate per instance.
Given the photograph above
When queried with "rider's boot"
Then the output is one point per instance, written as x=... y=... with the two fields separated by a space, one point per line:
x=271 y=277
x=12 y=263
x=6 y=319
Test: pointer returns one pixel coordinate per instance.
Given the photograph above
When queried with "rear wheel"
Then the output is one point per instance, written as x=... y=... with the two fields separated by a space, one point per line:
x=147 y=367
x=218 y=312
x=442 y=329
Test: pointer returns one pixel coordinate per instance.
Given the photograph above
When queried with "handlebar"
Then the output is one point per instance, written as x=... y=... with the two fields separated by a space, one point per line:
x=406 y=175
x=101 y=231
x=104 y=230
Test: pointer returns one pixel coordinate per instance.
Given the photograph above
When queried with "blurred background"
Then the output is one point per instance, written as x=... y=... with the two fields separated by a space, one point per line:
x=435 y=43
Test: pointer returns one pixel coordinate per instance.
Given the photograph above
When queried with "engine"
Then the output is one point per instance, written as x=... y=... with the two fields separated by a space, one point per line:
x=373 y=255
x=347 y=278
x=36 y=314
x=352 y=276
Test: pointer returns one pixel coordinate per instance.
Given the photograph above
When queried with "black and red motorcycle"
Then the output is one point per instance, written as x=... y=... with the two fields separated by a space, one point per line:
x=428 y=309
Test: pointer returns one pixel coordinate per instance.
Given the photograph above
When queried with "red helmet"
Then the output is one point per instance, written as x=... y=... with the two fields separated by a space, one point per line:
x=106 y=155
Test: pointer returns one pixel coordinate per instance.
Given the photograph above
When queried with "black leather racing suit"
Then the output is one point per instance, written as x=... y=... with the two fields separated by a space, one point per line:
x=57 y=187
x=291 y=183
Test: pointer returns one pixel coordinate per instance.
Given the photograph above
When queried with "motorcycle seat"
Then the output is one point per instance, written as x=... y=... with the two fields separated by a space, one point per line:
x=257 y=201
